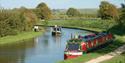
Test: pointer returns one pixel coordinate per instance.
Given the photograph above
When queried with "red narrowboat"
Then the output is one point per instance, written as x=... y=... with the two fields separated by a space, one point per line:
x=78 y=46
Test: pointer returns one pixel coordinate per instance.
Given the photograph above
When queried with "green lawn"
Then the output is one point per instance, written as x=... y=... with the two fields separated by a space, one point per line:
x=97 y=25
x=19 y=37
x=117 y=59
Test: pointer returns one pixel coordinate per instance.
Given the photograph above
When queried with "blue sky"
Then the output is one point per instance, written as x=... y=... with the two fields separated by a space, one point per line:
x=56 y=4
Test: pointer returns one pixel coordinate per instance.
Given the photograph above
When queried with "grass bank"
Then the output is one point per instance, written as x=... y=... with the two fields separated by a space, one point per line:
x=95 y=25
x=18 y=37
x=117 y=59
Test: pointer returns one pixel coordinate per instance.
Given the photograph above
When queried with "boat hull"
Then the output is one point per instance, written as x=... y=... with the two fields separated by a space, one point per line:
x=56 y=33
x=70 y=55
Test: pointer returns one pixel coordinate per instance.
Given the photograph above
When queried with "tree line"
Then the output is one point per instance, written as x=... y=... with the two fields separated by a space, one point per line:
x=22 y=19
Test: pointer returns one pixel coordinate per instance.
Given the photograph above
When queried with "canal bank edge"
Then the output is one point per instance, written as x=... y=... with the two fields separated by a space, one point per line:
x=19 y=38
x=94 y=30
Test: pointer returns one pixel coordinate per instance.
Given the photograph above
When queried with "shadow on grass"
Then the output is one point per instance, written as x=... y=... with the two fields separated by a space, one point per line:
x=118 y=30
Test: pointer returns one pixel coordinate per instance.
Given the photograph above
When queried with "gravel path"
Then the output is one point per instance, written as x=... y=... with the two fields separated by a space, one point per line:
x=108 y=56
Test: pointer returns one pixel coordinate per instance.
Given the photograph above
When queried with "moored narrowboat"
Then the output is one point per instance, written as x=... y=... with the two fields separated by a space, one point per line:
x=78 y=46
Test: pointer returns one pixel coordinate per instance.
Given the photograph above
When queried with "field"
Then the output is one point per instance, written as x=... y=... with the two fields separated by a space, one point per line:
x=96 y=25
x=83 y=11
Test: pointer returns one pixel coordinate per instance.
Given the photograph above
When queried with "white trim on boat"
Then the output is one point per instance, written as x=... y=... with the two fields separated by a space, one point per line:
x=73 y=53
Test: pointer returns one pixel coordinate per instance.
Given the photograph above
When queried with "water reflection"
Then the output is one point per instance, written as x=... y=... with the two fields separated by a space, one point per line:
x=15 y=53
x=43 y=49
x=57 y=40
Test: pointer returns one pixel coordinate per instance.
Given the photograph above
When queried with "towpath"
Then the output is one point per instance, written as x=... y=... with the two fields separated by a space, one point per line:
x=108 y=56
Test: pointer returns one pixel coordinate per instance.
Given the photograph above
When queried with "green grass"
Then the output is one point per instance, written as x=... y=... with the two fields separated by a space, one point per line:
x=117 y=59
x=95 y=25
x=19 y=37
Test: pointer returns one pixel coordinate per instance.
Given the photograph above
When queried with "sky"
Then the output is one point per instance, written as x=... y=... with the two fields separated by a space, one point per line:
x=56 y=4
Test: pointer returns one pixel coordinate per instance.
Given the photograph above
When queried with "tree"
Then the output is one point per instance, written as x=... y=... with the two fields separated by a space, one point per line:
x=28 y=18
x=43 y=11
x=4 y=27
x=108 y=11
x=72 y=12
x=122 y=16
x=17 y=20
x=123 y=5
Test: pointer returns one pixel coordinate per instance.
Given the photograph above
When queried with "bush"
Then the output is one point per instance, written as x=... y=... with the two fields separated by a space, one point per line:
x=14 y=21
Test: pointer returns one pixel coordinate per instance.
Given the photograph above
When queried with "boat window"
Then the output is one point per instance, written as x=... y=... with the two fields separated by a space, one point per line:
x=54 y=29
x=86 y=37
x=58 y=29
x=73 y=46
x=92 y=42
x=87 y=45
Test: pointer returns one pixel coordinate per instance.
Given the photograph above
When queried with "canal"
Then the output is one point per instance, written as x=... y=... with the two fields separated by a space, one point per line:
x=42 y=49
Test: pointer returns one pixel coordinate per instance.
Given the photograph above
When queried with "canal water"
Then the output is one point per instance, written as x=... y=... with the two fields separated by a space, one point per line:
x=42 y=49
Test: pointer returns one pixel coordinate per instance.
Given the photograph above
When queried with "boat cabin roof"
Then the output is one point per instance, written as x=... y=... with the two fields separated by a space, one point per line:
x=87 y=38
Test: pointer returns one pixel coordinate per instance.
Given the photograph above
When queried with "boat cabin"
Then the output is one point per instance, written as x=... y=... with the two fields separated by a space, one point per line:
x=56 y=30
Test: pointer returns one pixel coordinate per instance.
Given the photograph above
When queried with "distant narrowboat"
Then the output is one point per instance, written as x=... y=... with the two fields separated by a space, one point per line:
x=56 y=30
x=78 y=46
